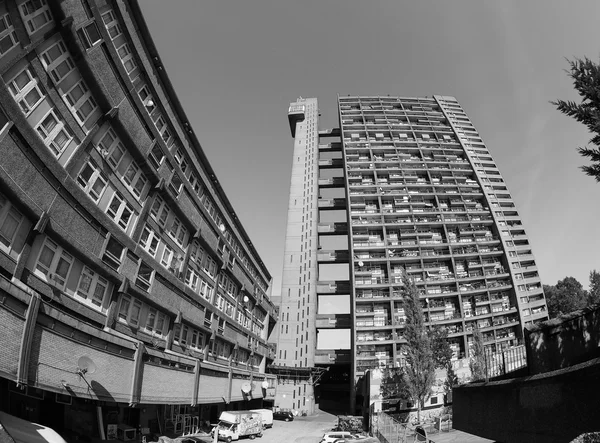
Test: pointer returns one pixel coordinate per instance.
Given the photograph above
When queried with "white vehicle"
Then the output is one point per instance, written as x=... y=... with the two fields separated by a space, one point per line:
x=235 y=424
x=267 y=417
x=330 y=437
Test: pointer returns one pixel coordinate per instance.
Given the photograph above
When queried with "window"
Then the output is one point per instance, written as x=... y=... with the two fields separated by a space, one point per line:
x=35 y=14
x=191 y=279
x=110 y=21
x=8 y=37
x=54 y=263
x=113 y=253
x=81 y=101
x=220 y=302
x=210 y=266
x=155 y=321
x=229 y=309
x=57 y=61
x=144 y=276
x=147 y=99
x=206 y=290
x=167 y=256
x=112 y=148
x=89 y=35
x=129 y=310
x=135 y=180
x=25 y=90
x=197 y=340
x=92 y=181
x=10 y=220
x=183 y=335
x=149 y=240
x=196 y=254
x=92 y=286
x=159 y=211
x=53 y=132
x=176 y=184
x=178 y=232
x=126 y=56
x=156 y=156
x=120 y=211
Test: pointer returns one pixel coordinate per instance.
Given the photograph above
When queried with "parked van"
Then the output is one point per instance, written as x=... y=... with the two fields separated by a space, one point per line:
x=267 y=417
x=235 y=424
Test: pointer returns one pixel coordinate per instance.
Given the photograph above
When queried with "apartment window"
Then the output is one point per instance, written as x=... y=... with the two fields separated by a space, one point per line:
x=53 y=132
x=130 y=310
x=92 y=181
x=57 y=61
x=10 y=221
x=167 y=256
x=159 y=211
x=149 y=240
x=144 y=276
x=81 y=101
x=176 y=184
x=210 y=266
x=220 y=302
x=54 y=263
x=205 y=290
x=110 y=21
x=178 y=232
x=156 y=156
x=147 y=99
x=521 y=287
x=196 y=254
x=35 y=14
x=113 y=253
x=155 y=321
x=135 y=180
x=112 y=148
x=8 y=37
x=92 y=286
x=229 y=309
x=89 y=35
x=126 y=56
x=197 y=340
x=120 y=211
x=25 y=90
x=191 y=279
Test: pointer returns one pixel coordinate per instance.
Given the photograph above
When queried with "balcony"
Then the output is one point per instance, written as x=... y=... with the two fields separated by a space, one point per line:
x=331 y=203
x=333 y=256
x=333 y=287
x=332 y=228
x=334 y=182
x=331 y=163
x=334 y=146
x=328 y=357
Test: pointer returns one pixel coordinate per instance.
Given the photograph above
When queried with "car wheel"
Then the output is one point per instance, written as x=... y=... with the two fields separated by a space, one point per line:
x=228 y=439
x=287 y=419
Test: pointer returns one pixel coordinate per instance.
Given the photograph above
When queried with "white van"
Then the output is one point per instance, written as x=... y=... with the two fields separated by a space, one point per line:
x=330 y=437
x=267 y=417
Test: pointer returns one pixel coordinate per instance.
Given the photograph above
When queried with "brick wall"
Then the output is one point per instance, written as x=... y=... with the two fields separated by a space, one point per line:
x=11 y=331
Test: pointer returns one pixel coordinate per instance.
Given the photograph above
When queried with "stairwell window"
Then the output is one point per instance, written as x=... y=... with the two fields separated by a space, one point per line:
x=10 y=221
x=92 y=180
x=54 y=133
x=54 y=264
x=26 y=91
x=92 y=286
x=35 y=14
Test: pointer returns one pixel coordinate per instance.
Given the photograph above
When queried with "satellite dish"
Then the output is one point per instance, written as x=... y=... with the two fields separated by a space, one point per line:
x=222 y=227
x=246 y=388
x=85 y=365
x=265 y=384
x=361 y=264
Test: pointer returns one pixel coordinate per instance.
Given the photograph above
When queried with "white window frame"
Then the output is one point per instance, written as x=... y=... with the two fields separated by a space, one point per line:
x=88 y=185
x=160 y=211
x=49 y=137
x=112 y=148
x=176 y=184
x=48 y=271
x=154 y=159
x=20 y=94
x=126 y=55
x=192 y=279
x=110 y=22
x=206 y=289
x=96 y=281
x=117 y=215
x=85 y=37
x=51 y=64
x=178 y=232
x=210 y=266
x=220 y=302
x=155 y=322
x=151 y=242
x=167 y=257
x=147 y=283
x=8 y=212
x=84 y=105
x=130 y=310
x=29 y=14
x=8 y=33
x=135 y=180
x=146 y=97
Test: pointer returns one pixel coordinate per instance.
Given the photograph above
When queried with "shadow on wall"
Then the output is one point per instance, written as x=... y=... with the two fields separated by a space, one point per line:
x=565 y=341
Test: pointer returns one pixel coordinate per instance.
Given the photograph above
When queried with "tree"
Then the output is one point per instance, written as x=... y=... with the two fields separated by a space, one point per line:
x=586 y=80
x=477 y=354
x=594 y=292
x=419 y=373
x=442 y=353
x=567 y=296
x=393 y=384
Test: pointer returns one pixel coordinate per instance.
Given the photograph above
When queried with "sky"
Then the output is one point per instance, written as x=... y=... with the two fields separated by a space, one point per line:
x=236 y=66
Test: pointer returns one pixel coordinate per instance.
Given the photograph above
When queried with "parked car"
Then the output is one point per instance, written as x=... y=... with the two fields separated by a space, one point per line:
x=357 y=439
x=330 y=437
x=267 y=417
x=283 y=415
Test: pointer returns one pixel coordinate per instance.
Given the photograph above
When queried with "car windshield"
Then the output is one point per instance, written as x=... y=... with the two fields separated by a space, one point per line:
x=225 y=425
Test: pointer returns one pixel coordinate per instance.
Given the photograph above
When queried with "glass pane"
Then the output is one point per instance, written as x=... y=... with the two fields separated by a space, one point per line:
x=49 y=123
x=123 y=311
x=6 y=43
x=116 y=156
x=45 y=259
x=93 y=34
x=61 y=140
x=99 y=291
x=84 y=283
x=85 y=174
x=98 y=187
x=32 y=97
x=9 y=227
x=130 y=173
x=62 y=268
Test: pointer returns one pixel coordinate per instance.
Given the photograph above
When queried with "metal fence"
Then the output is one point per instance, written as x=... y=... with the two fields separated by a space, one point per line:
x=389 y=430
x=501 y=363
